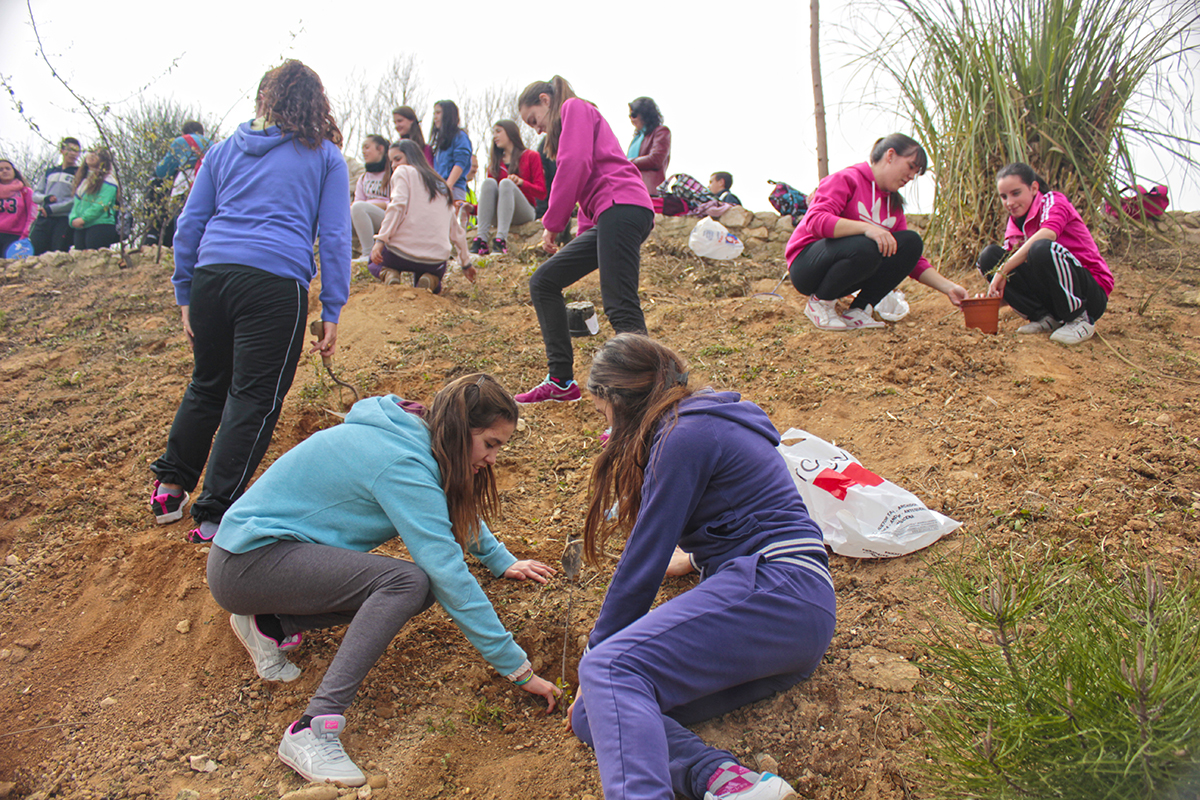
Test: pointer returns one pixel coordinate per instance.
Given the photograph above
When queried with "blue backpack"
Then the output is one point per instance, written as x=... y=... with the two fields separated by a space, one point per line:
x=788 y=201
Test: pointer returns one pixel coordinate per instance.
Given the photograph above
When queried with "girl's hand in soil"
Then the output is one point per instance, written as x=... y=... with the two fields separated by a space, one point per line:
x=681 y=564
x=534 y=570
x=544 y=688
x=471 y=273
x=548 y=242
x=187 y=327
x=996 y=287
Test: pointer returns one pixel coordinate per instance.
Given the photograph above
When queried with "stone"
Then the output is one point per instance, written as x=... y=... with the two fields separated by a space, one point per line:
x=765 y=219
x=364 y=792
x=183 y=626
x=202 y=763
x=108 y=701
x=756 y=233
x=6 y=788
x=187 y=794
x=883 y=669
x=736 y=217
x=379 y=781
x=12 y=560
x=319 y=791
x=767 y=763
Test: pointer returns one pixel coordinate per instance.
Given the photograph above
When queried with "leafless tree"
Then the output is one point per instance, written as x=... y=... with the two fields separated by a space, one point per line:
x=365 y=104
x=818 y=89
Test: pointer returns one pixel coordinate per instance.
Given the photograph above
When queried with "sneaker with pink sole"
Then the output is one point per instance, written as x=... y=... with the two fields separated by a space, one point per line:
x=550 y=390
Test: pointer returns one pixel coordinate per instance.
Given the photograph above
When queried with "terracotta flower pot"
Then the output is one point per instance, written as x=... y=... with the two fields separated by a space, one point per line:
x=982 y=313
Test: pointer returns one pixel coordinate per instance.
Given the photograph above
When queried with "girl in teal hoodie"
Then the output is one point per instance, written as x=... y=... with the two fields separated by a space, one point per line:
x=94 y=214
x=293 y=553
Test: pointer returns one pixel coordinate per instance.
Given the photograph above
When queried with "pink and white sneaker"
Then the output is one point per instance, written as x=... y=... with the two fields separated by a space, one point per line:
x=861 y=318
x=551 y=390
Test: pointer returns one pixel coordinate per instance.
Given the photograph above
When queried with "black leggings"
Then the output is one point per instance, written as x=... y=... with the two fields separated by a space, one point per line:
x=1053 y=283
x=831 y=268
x=51 y=234
x=249 y=328
x=95 y=237
x=614 y=247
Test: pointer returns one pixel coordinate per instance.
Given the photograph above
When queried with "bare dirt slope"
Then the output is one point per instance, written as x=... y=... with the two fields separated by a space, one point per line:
x=116 y=665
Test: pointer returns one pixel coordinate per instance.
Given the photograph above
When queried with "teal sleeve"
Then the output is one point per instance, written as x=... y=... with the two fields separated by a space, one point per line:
x=491 y=552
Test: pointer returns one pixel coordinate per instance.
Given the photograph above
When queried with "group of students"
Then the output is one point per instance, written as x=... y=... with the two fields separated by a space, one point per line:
x=691 y=476
x=74 y=205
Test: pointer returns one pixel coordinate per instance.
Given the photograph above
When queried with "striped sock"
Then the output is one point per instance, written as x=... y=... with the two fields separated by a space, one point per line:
x=731 y=778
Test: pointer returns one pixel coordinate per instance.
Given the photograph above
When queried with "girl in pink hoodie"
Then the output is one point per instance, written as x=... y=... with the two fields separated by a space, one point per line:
x=615 y=217
x=1055 y=277
x=855 y=238
x=17 y=209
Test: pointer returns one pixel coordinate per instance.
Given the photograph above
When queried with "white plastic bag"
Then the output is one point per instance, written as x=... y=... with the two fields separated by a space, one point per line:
x=860 y=514
x=892 y=307
x=711 y=239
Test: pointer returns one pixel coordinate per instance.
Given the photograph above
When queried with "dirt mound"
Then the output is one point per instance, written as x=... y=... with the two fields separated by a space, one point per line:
x=117 y=666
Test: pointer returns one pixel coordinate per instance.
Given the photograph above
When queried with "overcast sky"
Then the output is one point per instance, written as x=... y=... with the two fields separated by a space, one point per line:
x=733 y=81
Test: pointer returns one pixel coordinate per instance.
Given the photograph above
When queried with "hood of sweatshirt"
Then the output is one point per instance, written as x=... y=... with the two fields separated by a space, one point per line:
x=387 y=414
x=258 y=142
x=730 y=406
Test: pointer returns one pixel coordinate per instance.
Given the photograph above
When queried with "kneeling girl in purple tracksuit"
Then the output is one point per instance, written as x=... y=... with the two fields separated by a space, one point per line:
x=697 y=469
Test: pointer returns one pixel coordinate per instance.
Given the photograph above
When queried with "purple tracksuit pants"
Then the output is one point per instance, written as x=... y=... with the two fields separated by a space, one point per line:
x=751 y=629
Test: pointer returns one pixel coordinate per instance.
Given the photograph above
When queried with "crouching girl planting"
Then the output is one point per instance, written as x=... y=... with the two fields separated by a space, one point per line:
x=293 y=553
x=1055 y=277
x=699 y=470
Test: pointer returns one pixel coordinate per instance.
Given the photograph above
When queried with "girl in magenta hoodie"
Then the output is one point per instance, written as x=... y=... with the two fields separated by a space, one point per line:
x=17 y=209
x=1055 y=277
x=615 y=217
x=855 y=238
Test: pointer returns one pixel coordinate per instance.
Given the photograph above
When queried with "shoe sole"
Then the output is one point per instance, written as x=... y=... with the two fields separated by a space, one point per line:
x=246 y=645
x=173 y=516
x=313 y=779
x=547 y=400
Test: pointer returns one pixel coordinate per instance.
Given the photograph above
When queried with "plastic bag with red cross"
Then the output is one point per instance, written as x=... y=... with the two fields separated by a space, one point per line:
x=861 y=514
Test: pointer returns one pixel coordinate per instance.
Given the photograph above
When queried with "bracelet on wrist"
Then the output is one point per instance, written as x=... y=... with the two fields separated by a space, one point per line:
x=519 y=672
x=525 y=680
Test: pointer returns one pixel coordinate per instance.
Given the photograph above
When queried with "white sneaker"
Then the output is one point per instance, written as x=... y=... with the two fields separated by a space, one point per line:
x=270 y=662
x=316 y=752
x=823 y=314
x=769 y=787
x=1046 y=324
x=861 y=318
x=1076 y=331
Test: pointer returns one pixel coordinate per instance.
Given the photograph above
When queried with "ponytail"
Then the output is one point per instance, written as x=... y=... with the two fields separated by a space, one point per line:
x=559 y=90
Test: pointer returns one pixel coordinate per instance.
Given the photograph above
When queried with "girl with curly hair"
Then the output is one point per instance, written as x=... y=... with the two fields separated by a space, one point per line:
x=94 y=213
x=243 y=263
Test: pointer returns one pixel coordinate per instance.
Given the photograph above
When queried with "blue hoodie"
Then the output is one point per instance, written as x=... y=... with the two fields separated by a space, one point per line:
x=360 y=484
x=716 y=486
x=262 y=205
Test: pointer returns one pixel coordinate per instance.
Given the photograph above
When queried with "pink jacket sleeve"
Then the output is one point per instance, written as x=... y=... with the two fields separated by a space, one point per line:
x=576 y=160
x=830 y=200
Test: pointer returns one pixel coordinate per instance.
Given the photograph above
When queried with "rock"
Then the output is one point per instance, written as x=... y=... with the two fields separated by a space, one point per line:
x=183 y=626
x=377 y=781
x=757 y=233
x=765 y=219
x=202 y=763
x=12 y=560
x=736 y=217
x=767 y=763
x=6 y=789
x=319 y=791
x=1191 y=298
x=364 y=792
x=1139 y=525
x=108 y=701
x=187 y=794
x=882 y=669
x=29 y=642
x=1161 y=419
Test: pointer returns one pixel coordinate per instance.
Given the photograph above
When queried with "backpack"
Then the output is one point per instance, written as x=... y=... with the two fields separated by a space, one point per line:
x=1142 y=203
x=187 y=175
x=687 y=189
x=788 y=201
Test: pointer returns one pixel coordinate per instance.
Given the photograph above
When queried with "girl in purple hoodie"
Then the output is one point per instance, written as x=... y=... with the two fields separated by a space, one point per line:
x=698 y=470
x=615 y=217
x=855 y=238
x=1055 y=277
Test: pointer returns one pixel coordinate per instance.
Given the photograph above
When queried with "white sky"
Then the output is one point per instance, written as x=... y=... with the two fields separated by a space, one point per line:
x=732 y=79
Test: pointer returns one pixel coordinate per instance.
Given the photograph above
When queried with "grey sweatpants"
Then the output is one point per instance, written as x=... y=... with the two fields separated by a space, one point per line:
x=367 y=219
x=312 y=586
x=502 y=202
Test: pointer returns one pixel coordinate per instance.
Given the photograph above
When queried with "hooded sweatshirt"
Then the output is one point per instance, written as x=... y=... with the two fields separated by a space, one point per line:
x=360 y=484
x=58 y=182
x=716 y=486
x=99 y=208
x=1054 y=211
x=261 y=200
x=591 y=170
x=848 y=194
x=17 y=209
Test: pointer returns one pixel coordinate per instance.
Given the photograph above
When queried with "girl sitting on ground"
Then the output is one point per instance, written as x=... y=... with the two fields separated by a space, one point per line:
x=452 y=149
x=696 y=469
x=94 y=214
x=419 y=227
x=293 y=554
x=855 y=238
x=615 y=217
x=17 y=209
x=371 y=193
x=513 y=185
x=1055 y=277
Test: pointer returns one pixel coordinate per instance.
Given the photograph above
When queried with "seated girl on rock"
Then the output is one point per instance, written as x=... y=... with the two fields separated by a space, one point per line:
x=293 y=553
x=94 y=213
x=697 y=469
x=509 y=193
x=855 y=238
x=1055 y=277
x=419 y=227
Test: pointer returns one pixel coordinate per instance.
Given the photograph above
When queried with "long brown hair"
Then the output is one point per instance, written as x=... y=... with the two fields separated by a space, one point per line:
x=414 y=154
x=92 y=179
x=294 y=99
x=559 y=91
x=496 y=153
x=643 y=382
x=375 y=138
x=415 y=133
x=471 y=403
